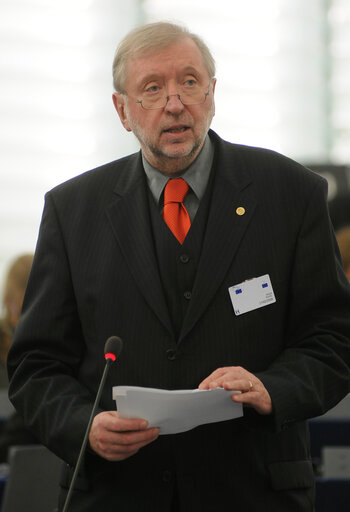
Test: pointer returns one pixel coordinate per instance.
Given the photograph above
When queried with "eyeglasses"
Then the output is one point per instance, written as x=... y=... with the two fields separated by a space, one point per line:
x=192 y=94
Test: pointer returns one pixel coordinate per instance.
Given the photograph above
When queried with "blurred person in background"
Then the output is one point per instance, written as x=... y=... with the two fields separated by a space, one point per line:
x=13 y=431
x=343 y=238
x=14 y=287
x=339 y=210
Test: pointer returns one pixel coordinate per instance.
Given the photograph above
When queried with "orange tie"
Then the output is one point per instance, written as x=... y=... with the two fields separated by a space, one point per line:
x=175 y=213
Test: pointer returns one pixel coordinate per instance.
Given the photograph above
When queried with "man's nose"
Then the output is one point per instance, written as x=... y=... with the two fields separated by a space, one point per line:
x=174 y=103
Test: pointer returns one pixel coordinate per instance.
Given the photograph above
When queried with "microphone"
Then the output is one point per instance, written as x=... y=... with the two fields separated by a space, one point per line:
x=113 y=348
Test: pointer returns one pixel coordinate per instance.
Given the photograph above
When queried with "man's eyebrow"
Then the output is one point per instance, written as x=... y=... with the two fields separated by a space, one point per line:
x=191 y=69
x=148 y=78
x=159 y=76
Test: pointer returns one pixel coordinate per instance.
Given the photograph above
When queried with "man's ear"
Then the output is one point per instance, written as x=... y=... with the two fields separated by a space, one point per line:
x=119 y=104
x=214 y=84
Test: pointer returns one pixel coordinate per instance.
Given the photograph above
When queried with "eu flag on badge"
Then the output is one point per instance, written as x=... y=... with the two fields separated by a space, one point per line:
x=239 y=290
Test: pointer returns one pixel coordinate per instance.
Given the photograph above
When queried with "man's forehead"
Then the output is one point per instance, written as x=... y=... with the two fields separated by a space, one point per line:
x=155 y=61
x=184 y=46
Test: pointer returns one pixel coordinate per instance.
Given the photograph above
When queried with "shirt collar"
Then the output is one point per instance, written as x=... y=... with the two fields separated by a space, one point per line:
x=196 y=175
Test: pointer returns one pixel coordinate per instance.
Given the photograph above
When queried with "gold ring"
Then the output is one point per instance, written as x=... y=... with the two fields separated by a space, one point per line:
x=250 y=385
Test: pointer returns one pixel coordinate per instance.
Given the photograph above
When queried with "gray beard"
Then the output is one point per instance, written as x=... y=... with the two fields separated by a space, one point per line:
x=174 y=165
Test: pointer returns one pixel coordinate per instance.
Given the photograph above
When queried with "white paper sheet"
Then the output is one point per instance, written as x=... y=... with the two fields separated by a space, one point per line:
x=176 y=411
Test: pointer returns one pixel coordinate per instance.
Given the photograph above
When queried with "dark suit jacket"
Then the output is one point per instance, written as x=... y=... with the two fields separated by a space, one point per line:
x=95 y=275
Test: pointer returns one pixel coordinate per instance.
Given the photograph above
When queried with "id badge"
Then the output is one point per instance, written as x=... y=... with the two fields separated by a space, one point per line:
x=252 y=294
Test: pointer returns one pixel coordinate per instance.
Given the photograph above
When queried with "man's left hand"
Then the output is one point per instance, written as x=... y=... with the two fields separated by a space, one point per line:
x=253 y=392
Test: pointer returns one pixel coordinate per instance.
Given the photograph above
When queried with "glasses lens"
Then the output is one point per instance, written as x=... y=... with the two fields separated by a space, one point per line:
x=193 y=96
x=193 y=99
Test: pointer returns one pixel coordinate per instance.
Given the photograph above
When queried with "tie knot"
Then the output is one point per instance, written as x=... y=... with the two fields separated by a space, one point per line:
x=175 y=191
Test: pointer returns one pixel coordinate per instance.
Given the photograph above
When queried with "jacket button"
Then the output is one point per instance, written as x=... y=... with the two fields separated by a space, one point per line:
x=184 y=258
x=187 y=295
x=171 y=354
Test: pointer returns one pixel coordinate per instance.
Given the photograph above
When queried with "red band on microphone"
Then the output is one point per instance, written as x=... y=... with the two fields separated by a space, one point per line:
x=109 y=355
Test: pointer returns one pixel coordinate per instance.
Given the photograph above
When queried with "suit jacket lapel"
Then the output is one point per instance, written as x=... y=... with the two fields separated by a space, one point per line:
x=130 y=220
x=232 y=189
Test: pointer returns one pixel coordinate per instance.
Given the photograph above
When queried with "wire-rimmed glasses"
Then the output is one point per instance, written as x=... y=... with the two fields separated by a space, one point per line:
x=193 y=95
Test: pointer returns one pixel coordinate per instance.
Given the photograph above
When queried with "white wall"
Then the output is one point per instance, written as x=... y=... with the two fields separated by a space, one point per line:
x=56 y=113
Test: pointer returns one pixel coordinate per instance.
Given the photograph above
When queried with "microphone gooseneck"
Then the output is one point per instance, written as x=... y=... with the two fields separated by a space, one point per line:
x=112 y=350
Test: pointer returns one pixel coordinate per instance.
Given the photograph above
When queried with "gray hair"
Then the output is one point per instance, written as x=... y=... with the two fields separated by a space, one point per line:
x=143 y=40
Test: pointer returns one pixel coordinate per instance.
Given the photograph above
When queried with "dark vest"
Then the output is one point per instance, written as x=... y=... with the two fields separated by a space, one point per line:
x=178 y=263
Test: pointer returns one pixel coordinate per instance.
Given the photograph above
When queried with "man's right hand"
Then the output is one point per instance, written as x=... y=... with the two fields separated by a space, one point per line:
x=115 y=438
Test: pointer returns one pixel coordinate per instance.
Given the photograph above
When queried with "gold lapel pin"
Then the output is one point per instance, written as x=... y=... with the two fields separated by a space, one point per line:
x=240 y=210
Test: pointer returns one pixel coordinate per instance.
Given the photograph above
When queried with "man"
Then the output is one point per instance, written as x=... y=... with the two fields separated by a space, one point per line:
x=107 y=263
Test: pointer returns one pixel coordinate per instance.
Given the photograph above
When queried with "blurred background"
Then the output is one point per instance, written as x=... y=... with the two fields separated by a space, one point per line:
x=283 y=70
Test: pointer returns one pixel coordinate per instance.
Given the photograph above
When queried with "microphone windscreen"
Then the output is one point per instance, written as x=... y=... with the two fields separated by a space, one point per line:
x=113 y=346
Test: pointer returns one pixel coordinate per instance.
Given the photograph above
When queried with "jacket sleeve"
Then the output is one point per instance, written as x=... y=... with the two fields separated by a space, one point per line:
x=48 y=346
x=312 y=374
